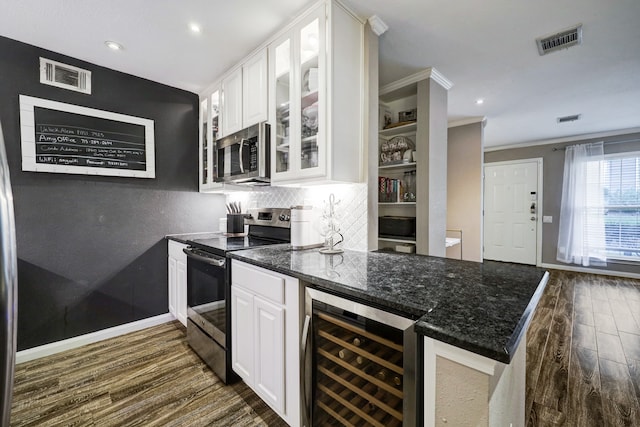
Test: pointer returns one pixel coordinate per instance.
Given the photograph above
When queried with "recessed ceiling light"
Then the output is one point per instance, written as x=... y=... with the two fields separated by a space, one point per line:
x=195 y=28
x=479 y=101
x=113 y=45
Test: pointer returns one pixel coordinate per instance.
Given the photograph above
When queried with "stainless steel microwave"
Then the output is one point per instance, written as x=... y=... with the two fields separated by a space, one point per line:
x=243 y=157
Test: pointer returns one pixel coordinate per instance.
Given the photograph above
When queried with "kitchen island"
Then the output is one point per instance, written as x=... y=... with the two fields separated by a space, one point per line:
x=472 y=318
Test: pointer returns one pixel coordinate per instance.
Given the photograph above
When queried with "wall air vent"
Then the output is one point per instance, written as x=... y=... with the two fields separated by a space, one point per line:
x=65 y=76
x=561 y=40
x=567 y=119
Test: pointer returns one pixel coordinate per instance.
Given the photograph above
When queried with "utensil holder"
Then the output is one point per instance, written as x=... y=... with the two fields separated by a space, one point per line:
x=235 y=223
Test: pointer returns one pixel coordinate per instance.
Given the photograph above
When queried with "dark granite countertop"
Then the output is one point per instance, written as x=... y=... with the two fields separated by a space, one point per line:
x=183 y=238
x=480 y=307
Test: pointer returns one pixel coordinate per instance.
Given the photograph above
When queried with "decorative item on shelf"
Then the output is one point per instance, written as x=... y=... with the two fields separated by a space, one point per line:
x=397 y=226
x=408 y=116
x=406 y=248
x=398 y=124
x=310 y=80
x=331 y=228
x=390 y=190
x=282 y=114
x=386 y=117
x=394 y=150
x=310 y=120
x=409 y=187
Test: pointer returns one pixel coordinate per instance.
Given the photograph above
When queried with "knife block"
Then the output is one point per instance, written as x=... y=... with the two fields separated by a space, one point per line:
x=235 y=223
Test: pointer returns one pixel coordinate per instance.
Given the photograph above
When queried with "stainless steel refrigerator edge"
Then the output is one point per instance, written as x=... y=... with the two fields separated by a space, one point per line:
x=8 y=284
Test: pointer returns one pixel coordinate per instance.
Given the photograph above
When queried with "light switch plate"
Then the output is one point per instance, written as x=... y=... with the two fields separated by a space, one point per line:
x=547 y=219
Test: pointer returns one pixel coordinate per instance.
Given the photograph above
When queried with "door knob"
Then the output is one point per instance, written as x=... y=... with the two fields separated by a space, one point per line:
x=533 y=218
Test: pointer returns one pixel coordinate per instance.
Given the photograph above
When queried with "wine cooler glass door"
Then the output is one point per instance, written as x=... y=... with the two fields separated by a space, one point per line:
x=362 y=373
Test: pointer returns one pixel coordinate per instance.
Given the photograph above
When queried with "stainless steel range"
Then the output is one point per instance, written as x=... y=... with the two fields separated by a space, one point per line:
x=209 y=284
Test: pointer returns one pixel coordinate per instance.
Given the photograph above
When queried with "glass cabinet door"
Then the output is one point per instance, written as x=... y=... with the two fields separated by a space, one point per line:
x=204 y=135
x=283 y=106
x=215 y=118
x=296 y=97
x=309 y=80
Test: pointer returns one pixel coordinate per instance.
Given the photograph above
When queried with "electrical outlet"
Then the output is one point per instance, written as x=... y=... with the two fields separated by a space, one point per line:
x=547 y=219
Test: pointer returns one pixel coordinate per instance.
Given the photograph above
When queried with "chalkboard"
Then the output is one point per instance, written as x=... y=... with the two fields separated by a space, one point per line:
x=67 y=138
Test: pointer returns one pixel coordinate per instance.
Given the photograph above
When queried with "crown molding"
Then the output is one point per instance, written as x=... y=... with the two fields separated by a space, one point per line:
x=563 y=139
x=427 y=73
x=439 y=78
x=467 y=121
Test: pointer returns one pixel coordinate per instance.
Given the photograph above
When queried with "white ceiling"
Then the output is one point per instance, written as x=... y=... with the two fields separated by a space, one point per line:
x=487 y=49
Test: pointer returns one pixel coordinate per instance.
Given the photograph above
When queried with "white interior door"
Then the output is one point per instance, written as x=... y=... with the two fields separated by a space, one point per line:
x=511 y=212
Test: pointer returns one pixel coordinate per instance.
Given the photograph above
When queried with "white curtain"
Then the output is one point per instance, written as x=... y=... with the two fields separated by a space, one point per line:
x=581 y=239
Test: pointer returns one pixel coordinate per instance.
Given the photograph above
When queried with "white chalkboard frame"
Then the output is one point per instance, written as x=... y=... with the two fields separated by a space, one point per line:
x=28 y=136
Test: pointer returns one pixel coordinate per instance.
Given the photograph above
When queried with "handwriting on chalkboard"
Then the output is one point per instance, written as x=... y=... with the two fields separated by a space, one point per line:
x=71 y=139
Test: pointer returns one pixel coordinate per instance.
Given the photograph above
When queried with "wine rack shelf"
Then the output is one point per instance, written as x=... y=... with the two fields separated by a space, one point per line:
x=357 y=330
x=359 y=376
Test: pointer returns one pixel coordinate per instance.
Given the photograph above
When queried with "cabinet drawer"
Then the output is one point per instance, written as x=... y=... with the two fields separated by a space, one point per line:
x=258 y=280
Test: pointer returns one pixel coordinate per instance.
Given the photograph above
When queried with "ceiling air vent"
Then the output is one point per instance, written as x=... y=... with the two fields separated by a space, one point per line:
x=562 y=40
x=567 y=119
x=65 y=76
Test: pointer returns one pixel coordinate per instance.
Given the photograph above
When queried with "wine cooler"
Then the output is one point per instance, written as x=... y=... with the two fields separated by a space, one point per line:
x=359 y=365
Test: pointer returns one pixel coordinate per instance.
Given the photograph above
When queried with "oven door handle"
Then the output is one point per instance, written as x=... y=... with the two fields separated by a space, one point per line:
x=218 y=262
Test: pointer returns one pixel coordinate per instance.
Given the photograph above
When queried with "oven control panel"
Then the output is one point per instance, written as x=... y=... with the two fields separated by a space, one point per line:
x=271 y=217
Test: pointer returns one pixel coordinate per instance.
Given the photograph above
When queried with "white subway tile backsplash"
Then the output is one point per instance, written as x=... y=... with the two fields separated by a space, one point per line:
x=351 y=209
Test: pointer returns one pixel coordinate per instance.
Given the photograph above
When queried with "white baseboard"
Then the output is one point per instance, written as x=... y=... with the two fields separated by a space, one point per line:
x=591 y=270
x=79 y=341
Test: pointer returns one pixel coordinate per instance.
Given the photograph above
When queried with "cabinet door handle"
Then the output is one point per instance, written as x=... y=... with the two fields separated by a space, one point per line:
x=306 y=373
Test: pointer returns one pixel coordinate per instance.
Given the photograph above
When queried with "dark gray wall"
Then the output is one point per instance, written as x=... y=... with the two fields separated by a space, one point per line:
x=553 y=169
x=91 y=253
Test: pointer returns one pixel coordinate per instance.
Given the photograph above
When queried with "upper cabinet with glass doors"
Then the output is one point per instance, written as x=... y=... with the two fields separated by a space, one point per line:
x=315 y=98
x=281 y=96
x=209 y=118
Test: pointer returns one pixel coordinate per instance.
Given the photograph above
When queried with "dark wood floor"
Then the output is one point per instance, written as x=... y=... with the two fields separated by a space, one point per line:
x=583 y=369
x=146 y=378
x=583 y=353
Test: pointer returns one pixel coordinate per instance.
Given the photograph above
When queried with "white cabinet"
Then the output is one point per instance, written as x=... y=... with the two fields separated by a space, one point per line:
x=265 y=336
x=242 y=337
x=269 y=339
x=254 y=89
x=177 y=281
x=232 y=103
x=316 y=83
x=237 y=101
x=244 y=95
